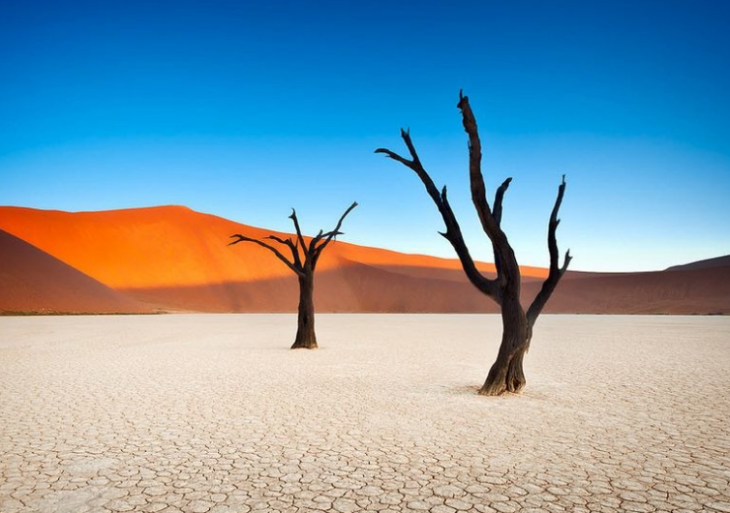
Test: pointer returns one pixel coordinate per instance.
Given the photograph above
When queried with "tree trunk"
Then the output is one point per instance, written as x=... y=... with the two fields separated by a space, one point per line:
x=306 y=339
x=506 y=374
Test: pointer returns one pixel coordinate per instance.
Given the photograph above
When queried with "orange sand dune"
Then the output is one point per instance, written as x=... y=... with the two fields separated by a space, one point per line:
x=179 y=258
x=177 y=247
x=32 y=281
x=146 y=247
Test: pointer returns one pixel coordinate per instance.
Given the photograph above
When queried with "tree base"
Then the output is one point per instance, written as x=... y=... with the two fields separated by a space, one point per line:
x=494 y=389
x=295 y=345
x=504 y=378
x=308 y=341
x=499 y=389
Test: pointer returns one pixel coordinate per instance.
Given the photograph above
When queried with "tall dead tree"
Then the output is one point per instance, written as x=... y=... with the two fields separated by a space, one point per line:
x=303 y=264
x=506 y=374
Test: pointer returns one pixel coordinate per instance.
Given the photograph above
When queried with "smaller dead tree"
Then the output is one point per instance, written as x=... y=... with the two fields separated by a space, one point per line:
x=303 y=264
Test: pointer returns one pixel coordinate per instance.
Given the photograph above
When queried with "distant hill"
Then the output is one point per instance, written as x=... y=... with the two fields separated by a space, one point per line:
x=178 y=259
x=723 y=261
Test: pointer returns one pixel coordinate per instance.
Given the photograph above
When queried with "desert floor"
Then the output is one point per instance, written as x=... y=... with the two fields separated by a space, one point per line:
x=213 y=413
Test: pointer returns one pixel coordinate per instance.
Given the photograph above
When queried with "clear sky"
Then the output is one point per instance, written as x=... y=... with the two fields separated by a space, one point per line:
x=246 y=109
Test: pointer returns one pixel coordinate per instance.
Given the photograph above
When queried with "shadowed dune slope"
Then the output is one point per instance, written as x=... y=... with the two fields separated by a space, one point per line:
x=359 y=288
x=349 y=288
x=32 y=281
x=693 y=291
x=179 y=258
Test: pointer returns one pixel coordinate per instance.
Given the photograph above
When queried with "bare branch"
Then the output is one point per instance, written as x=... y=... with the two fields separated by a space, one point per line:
x=498 y=197
x=566 y=262
x=327 y=237
x=243 y=238
x=300 y=237
x=454 y=236
x=406 y=135
x=396 y=157
x=313 y=244
x=508 y=270
x=416 y=166
x=292 y=247
x=497 y=213
x=478 y=189
x=453 y=230
x=278 y=239
x=556 y=271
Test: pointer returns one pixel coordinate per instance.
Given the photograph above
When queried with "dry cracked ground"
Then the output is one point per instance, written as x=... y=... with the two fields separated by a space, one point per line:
x=213 y=413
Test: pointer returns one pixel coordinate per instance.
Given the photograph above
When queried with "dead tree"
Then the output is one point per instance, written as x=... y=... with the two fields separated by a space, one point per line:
x=506 y=374
x=303 y=264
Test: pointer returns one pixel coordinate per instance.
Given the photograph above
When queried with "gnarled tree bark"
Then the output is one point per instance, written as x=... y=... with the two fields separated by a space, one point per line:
x=506 y=373
x=303 y=263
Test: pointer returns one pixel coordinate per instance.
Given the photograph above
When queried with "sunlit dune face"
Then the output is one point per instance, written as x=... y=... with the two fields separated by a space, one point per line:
x=175 y=247
x=145 y=248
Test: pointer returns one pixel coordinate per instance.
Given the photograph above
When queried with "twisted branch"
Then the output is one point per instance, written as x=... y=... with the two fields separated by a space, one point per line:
x=556 y=272
x=453 y=230
x=290 y=265
x=292 y=247
x=497 y=213
x=330 y=235
x=300 y=238
x=508 y=272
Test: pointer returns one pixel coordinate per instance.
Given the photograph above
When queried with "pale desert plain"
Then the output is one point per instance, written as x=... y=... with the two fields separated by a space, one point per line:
x=213 y=413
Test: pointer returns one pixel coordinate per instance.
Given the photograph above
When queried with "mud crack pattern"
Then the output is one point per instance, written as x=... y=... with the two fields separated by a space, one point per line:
x=213 y=414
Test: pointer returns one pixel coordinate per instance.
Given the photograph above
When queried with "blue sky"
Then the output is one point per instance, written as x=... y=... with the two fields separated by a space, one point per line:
x=246 y=109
